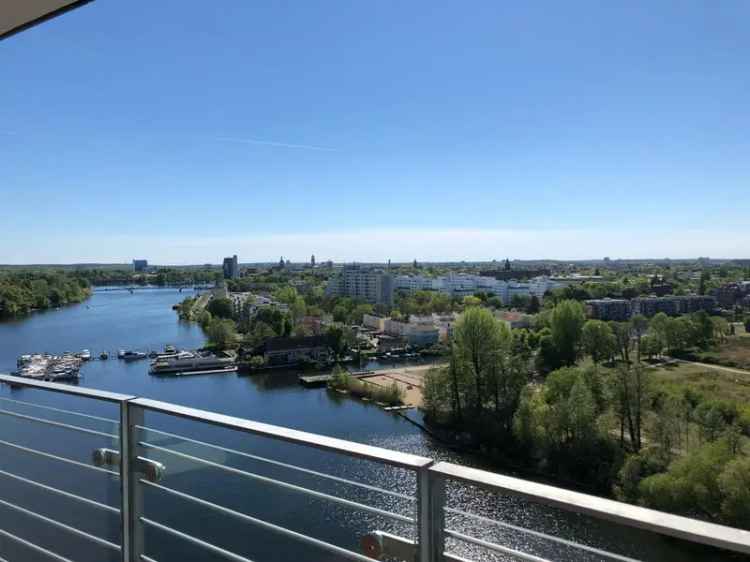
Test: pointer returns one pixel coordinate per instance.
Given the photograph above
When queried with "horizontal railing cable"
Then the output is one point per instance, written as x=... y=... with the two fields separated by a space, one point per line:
x=61 y=410
x=207 y=545
x=59 y=525
x=69 y=495
x=281 y=484
x=496 y=547
x=541 y=535
x=59 y=424
x=59 y=458
x=282 y=464
x=34 y=547
x=264 y=524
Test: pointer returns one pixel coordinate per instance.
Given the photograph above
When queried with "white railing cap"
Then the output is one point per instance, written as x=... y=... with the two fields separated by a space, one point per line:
x=692 y=530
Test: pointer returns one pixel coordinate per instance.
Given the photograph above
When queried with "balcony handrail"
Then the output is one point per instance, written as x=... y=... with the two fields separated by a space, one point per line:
x=52 y=490
x=692 y=530
x=280 y=483
x=60 y=411
x=349 y=448
x=59 y=458
x=273 y=462
x=61 y=425
x=66 y=389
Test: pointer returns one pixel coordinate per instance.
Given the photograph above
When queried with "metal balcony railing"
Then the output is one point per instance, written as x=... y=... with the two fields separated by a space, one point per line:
x=92 y=475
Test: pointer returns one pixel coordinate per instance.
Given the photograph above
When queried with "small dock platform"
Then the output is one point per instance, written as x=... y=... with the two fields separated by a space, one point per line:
x=322 y=380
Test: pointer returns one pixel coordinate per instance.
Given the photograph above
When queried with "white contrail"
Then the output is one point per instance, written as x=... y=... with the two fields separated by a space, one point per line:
x=279 y=144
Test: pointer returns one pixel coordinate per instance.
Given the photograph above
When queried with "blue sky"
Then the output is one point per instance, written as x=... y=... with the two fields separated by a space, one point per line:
x=186 y=131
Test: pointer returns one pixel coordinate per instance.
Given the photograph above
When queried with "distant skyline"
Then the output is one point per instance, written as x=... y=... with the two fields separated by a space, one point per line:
x=402 y=245
x=369 y=131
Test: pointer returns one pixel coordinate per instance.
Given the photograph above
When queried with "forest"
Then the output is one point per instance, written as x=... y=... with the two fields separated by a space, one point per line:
x=23 y=292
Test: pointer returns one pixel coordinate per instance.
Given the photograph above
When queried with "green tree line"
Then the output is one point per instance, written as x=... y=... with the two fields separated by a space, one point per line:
x=23 y=292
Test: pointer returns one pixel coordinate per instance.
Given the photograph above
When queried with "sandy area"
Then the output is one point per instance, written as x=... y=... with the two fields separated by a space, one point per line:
x=410 y=379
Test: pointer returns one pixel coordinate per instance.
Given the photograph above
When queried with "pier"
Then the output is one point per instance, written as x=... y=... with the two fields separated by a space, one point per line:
x=322 y=380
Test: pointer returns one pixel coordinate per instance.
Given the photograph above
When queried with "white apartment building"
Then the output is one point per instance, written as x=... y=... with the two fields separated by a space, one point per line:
x=463 y=284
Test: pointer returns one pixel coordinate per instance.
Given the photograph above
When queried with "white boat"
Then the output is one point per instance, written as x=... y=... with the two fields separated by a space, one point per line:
x=194 y=364
x=85 y=355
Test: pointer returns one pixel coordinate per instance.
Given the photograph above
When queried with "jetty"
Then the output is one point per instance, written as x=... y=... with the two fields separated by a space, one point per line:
x=323 y=380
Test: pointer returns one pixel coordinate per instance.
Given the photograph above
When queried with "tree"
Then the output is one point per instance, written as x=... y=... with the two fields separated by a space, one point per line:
x=479 y=339
x=649 y=346
x=220 y=307
x=581 y=411
x=259 y=333
x=702 y=329
x=359 y=311
x=534 y=305
x=436 y=394
x=471 y=301
x=297 y=309
x=639 y=326
x=658 y=329
x=630 y=387
x=734 y=486
x=566 y=325
x=691 y=484
x=340 y=340
x=221 y=333
x=621 y=331
x=678 y=332
x=340 y=313
x=722 y=328
x=520 y=302
x=548 y=358
x=598 y=340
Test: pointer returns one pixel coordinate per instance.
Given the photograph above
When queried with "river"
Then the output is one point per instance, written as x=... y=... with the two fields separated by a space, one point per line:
x=143 y=320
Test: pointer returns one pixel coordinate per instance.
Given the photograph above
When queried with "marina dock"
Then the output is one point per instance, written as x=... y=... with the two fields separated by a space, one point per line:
x=46 y=367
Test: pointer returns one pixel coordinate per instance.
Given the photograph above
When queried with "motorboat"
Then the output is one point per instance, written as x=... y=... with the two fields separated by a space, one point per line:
x=133 y=355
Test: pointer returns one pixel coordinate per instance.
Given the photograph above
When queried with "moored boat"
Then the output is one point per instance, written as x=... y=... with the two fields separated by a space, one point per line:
x=190 y=363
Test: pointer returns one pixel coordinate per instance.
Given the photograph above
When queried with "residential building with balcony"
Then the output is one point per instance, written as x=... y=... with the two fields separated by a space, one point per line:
x=672 y=305
x=369 y=285
x=617 y=310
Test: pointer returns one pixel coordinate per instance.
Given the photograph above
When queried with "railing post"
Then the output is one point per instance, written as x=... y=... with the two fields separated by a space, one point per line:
x=430 y=516
x=130 y=490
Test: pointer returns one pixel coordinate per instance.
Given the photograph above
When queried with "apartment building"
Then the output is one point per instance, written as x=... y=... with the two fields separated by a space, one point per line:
x=608 y=309
x=730 y=294
x=462 y=284
x=373 y=286
x=672 y=305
